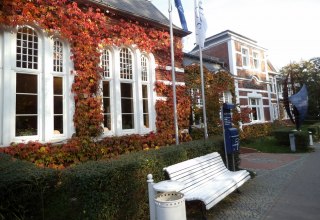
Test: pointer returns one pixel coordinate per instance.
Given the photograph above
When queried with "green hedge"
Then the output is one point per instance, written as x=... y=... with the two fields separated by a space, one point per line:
x=24 y=189
x=315 y=129
x=301 y=138
x=113 y=189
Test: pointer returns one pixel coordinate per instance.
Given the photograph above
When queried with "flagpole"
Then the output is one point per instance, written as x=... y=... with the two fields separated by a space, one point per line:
x=200 y=40
x=203 y=96
x=173 y=77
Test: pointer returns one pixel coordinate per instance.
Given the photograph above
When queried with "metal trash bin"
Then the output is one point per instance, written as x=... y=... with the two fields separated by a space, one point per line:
x=170 y=206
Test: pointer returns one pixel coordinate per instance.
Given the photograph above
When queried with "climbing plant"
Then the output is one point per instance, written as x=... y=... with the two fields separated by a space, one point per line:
x=88 y=30
x=215 y=85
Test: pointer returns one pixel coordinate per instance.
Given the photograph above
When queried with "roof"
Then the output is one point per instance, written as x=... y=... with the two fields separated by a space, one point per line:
x=213 y=64
x=139 y=8
x=271 y=68
x=223 y=36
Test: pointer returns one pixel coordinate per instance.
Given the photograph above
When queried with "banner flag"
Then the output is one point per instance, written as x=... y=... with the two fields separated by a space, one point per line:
x=200 y=23
x=181 y=14
x=300 y=103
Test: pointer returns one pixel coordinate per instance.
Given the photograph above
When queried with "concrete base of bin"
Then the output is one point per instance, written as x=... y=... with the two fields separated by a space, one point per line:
x=170 y=206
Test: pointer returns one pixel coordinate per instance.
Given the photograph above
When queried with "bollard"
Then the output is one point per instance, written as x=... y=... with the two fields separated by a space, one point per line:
x=310 y=138
x=152 y=194
x=292 y=142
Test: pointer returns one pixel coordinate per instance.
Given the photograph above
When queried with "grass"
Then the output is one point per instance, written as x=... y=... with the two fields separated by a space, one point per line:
x=266 y=144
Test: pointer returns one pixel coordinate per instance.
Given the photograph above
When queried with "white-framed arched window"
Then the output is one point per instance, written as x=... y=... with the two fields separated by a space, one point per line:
x=38 y=95
x=127 y=91
x=145 y=90
x=127 y=86
x=106 y=63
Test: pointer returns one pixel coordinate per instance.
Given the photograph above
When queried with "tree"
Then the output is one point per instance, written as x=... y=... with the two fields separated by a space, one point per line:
x=308 y=73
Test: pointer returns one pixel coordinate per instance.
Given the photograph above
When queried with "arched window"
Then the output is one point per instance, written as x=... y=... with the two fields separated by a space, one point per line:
x=27 y=83
x=106 y=89
x=127 y=91
x=145 y=87
x=58 y=88
x=37 y=98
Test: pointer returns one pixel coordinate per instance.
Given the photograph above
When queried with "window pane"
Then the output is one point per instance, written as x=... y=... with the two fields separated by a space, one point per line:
x=58 y=124
x=57 y=86
x=26 y=104
x=27 y=48
x=144 y=68
x=26 y=125
x=127 y=121
x=106 y=89
x=125 y=64
x=126 y=90
x=58 y=105
x=107 y=121
x=146 y=120
x=27 y=83
x=144 y=91
x=106 y=105
x=57 y=56
x=105 y=60
x=127 y=105
x=145 y=106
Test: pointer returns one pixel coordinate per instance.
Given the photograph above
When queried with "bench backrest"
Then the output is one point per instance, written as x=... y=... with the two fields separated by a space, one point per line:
x=197 y=171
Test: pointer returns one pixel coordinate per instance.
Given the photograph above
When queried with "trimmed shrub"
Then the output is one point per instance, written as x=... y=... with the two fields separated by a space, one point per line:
x=104 y=189
x=301 y=138
x=24 y=189
x=255 y=130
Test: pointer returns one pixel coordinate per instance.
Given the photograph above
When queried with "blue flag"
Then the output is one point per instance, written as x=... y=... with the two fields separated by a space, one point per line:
x=181 y=14
x=300 y=103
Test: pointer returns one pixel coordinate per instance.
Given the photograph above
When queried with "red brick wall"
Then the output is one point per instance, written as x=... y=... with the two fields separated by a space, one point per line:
x=219 y=51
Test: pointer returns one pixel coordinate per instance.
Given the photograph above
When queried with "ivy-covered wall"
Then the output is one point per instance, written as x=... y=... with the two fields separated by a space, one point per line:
x=97 y=28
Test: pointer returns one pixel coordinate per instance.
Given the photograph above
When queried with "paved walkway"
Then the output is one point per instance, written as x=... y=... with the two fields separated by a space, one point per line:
x=286 y=186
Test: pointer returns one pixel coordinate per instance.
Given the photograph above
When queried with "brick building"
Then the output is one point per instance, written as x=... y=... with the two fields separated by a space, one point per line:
x=37 y=73
x=255 y=76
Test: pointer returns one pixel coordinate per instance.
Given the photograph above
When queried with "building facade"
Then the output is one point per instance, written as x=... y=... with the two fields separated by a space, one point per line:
x=38 y=76
x=255 y=77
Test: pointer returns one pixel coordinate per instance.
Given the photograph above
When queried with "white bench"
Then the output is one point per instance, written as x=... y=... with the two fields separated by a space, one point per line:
x=206 y=179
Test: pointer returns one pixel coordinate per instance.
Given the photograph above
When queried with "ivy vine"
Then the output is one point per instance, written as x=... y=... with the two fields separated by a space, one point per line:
x=79 y=24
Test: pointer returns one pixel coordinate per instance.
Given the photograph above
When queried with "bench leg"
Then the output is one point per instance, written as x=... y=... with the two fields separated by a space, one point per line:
x=204 y=212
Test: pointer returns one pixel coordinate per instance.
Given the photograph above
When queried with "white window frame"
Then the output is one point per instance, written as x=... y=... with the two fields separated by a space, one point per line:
x=145 y=78
x=137 y=82
x=64 y=75
x=1 y=83
x=110 y=79
x=45 y=75
x=226 y=97
x=257 y=106
x=256 y=60
x=37 y=72
x=246 y=57
x=275 y=111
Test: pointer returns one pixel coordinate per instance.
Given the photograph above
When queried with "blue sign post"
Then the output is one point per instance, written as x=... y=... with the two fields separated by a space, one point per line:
x=231 y=135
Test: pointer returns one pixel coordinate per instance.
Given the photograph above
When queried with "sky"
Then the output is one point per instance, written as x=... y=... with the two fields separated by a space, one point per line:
x=288 y=29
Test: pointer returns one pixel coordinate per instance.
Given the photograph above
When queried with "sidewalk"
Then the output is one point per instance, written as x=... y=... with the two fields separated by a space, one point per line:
x=286 y=186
